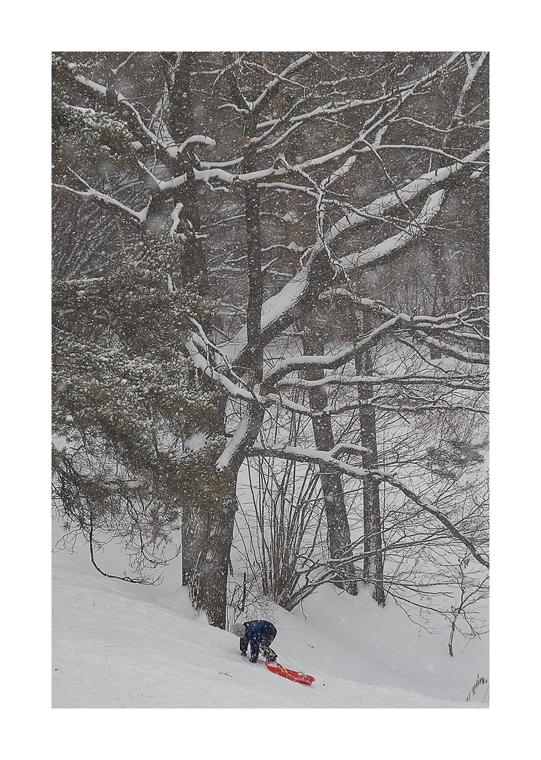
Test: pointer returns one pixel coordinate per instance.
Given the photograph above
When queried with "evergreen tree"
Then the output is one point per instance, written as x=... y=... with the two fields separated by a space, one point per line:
x=127 y=403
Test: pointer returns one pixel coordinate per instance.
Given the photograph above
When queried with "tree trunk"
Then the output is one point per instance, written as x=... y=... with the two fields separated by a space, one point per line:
x=373 y=561
x=208 y=514
x=338 y=533
x=207 y=535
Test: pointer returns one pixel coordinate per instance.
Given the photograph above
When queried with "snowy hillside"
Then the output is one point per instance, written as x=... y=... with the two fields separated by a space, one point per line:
x=117 y=644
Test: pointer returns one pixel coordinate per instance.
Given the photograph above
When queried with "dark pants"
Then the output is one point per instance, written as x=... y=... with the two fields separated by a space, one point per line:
x=255 y=644
x=266 y=651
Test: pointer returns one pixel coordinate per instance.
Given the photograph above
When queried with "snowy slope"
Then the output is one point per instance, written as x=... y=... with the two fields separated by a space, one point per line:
x=117 y=644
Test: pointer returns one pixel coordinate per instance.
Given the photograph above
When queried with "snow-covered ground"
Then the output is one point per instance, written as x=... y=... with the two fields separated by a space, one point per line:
x=117 y=644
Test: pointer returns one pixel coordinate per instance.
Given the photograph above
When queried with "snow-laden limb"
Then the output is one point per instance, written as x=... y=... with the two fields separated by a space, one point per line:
x=352 y=380
x=309 y=455
x=470 y=357
x=401 y=408
x=291 y=406
x=101 y=90
x=473 y=70
x=403 y=195
x=279 y=310
x=339 y=173
x=205 y=175
x=175 y=218
x=197 y=139
x=106 y=201
x=123 y=63
x=240 y=391
x=201 y=363
x=425 y=148
x=271 y=311
x=277 y=79
x=348 y=448
x=325 y=111
x=278 y=140
x=386 y=248
x=375 y=209
x=326 y=459
x=234 y=443
x=217 y=174
x=330 y=361
x=244 y=436
x=160 y=138
x=332 y=108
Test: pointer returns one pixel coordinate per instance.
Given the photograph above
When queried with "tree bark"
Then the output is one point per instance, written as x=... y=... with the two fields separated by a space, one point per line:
x=207 y=523
x=338 y=532
x=373 y=561
x=207 y=535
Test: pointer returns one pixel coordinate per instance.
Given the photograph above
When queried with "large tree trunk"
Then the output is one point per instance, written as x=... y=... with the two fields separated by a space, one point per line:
x=209 y=507
x=207 y=535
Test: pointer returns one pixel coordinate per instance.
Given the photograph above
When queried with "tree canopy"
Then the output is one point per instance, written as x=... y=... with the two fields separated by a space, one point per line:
x=273 y=268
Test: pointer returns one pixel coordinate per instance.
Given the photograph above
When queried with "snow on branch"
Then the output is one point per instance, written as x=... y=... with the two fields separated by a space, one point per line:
x=175 y=218
x=278 y=78
x=456 y=383
x=197 y=139
x=201 y=363
x=235 y=443
x=473 y=70
x=403 y=195
x=106 y=201
x=348 y=448
x=164 y=142
x=446 y=324
x=302 y=362
x=326 y=459
x=331 y=108
x=278 y=311
x=470 y=357
x=379 y=252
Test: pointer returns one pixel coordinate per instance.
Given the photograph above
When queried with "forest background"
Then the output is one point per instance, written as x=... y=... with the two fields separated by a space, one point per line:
x=271 y=270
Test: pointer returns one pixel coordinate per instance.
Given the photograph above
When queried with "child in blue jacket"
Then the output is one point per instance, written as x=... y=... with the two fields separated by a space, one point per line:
x=257 y=633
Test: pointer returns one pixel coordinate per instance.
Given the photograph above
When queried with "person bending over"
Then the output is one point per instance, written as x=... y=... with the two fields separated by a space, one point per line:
x=260 y=635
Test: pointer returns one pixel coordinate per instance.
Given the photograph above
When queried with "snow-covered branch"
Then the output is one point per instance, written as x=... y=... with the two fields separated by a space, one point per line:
x=470 y=357
x=277 y=79
x=405 y=194
x=201 y=363
x=106 y=201
x=327 y=460
x=416 y=324
x=328 y=361
x=388 y=247
x=457 y=383
x=278 y=311
x=473 y=70
x=164 y=142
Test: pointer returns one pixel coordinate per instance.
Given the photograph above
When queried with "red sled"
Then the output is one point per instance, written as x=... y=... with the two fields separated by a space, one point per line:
x=292 y=675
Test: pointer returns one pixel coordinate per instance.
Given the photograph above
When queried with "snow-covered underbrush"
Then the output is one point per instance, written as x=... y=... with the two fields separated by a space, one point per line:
x=431 y=442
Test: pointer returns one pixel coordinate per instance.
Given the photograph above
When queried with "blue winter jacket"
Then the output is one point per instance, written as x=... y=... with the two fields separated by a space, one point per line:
x=257 y=632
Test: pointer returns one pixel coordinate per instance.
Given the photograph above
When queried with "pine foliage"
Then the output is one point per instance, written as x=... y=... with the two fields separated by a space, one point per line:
x=126 y=403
